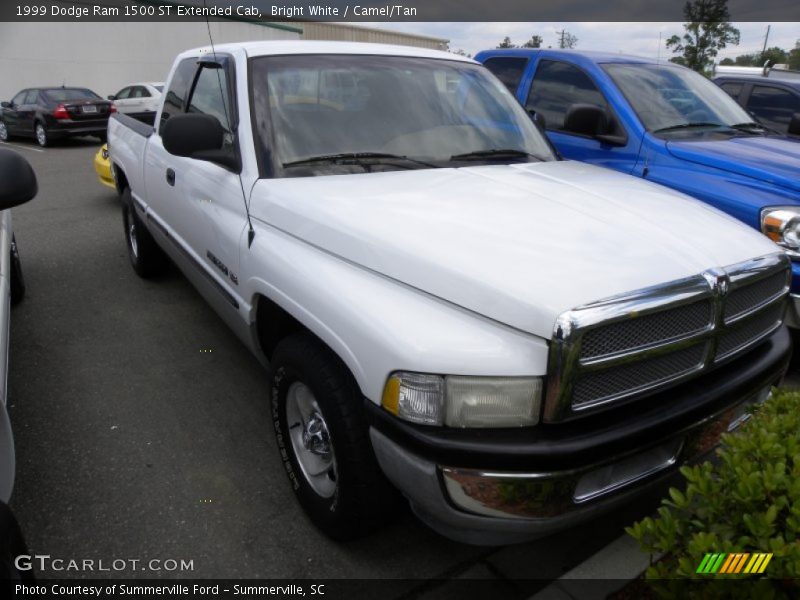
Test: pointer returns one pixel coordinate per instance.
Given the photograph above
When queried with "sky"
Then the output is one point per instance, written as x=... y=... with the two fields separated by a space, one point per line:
x=628 y=38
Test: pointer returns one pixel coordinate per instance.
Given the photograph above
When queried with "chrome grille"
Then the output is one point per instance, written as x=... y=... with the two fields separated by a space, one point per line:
x=659 y=327
x=750 y=296
x=629 y=346
x=607 y=383
x=749 y=329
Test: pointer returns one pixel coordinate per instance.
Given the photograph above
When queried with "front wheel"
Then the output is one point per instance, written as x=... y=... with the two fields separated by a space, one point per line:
x=146 y=257
x=4 y=135
x=42 y=137
x=323 y=440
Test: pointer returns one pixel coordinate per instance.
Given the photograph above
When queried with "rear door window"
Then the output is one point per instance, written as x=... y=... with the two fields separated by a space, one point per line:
x=32 y=97
x=508 y=69
x=557 y=86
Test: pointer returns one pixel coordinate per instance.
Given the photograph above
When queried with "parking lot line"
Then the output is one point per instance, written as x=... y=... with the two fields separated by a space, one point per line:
x=22 y=147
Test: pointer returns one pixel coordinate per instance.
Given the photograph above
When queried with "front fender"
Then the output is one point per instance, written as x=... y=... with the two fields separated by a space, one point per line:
x=377 y=325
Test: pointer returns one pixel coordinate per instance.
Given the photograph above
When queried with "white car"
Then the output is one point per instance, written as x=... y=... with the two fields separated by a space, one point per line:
x=138 y=98
x=514 y=341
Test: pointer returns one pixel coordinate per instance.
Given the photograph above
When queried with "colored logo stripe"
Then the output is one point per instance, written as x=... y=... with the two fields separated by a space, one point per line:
x=733 y=563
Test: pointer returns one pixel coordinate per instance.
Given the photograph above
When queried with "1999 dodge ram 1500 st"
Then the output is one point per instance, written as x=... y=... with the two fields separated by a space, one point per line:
x=515 y=342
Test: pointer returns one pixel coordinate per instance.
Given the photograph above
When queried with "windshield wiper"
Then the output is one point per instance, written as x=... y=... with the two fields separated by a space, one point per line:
x=353 y=157
x=688 y=126
x=751 y=126
x=495 y=153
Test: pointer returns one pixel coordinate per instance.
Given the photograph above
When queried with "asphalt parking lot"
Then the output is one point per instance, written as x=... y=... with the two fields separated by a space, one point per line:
x=143 y=431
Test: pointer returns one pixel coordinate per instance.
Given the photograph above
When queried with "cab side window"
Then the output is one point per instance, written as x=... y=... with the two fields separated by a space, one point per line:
x=210 y=97
x=507 y=69
x=557 y=86
x=175 y=98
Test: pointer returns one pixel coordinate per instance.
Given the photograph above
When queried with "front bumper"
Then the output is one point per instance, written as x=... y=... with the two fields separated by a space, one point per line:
x=505 y=486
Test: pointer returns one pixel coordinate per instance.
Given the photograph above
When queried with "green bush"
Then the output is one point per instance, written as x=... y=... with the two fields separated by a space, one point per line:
x=747 y=501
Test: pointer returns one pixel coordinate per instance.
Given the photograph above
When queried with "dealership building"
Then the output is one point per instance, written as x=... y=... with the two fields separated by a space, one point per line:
x=105 y=57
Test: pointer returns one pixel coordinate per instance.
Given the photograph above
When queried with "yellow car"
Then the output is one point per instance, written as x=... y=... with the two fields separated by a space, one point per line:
x=102 y=165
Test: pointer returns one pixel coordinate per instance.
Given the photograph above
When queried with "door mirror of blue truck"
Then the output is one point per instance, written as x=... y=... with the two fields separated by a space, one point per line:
x=593 y=121
x=794 y=124
x=17 y=180
x=198 y=136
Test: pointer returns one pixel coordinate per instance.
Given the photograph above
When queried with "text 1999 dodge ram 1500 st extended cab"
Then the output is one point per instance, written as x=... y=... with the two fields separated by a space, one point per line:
x=515 y=342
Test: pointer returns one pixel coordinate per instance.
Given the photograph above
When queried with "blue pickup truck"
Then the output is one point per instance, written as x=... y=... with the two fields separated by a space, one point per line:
x=665 y=123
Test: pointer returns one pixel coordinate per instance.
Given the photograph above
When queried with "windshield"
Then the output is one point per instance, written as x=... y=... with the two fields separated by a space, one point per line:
x=400 y=112
x=70 y=94
x=671 y=97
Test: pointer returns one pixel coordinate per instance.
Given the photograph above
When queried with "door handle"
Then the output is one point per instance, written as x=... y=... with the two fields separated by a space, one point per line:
x=170 y=177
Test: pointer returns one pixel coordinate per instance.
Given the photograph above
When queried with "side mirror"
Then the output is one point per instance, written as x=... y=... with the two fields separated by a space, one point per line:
x=17 y=180
x=794 y=124
x=111 y=97
x=5 y=104
x=586 y=119
x=200 y=137
x=592 y=121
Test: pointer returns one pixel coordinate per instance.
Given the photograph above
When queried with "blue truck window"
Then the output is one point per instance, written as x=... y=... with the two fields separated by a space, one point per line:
x=773 y=106
x=508 y=69
x=734 y=88
x=557 y=86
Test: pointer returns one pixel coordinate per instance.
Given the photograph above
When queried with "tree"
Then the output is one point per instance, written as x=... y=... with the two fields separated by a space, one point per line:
x=775 y=56
x=534 y=42
x=566 y=39
x=794 y=57
x=727 y=62
x=706 y=32
x=506 y=43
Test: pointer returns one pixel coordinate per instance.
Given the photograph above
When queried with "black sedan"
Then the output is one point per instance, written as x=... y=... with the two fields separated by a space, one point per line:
x=46 y=114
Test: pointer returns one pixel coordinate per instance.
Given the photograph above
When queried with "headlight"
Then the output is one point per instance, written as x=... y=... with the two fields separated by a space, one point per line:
x=461 y=401
x=782 y=226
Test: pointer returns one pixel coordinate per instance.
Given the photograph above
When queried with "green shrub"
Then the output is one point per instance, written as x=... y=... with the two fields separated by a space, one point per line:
x=747 y=501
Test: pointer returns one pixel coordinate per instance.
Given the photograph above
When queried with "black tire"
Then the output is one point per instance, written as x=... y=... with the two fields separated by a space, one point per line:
x=4 y=134
x=363 y=499
x=42 y=139
x=146 y=257
x=17 y=283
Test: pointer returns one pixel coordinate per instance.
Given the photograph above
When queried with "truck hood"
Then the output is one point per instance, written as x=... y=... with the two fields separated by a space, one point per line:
x=771 y=159
x=519 y=244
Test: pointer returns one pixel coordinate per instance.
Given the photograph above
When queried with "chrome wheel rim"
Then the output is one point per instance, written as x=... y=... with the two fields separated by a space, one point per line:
x=3 y=132
x=41 y=136
x=311 y=441
x=132 y=241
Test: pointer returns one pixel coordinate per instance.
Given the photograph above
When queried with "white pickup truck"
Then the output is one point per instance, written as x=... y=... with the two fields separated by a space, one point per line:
x=513 y=341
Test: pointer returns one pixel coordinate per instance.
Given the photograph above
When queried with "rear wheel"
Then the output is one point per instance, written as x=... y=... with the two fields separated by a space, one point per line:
x=40 y=131
x=146 y=257
x=323 y=440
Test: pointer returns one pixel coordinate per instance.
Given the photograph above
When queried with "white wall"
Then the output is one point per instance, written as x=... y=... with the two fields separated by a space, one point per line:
x=107 y=56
